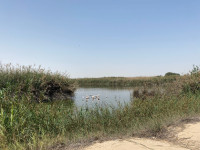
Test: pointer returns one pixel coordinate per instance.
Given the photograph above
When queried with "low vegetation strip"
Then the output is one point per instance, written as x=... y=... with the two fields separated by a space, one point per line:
x=124 y=81
x=26 y=124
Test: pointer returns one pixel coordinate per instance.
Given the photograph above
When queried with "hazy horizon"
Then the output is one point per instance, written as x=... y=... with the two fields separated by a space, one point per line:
x=123 y=38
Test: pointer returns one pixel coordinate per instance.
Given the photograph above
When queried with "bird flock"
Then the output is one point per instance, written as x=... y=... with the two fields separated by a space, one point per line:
x=92 y=97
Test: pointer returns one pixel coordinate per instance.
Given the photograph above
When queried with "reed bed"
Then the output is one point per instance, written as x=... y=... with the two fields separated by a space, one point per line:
x=124 y=81
x=35 y=82
x=25 y=124
x=32 y=126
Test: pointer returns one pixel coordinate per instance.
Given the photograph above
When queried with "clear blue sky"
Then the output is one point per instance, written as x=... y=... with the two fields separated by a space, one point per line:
x=94 y=38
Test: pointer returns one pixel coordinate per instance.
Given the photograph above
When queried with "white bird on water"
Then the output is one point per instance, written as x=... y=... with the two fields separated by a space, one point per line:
x=93 y=97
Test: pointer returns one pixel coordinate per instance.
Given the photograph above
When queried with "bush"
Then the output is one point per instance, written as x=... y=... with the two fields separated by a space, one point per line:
x=171 y=74
x=192 y=84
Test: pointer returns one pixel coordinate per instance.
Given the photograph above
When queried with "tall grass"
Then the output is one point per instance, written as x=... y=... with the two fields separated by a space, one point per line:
x=35 y=82
x=28 y=125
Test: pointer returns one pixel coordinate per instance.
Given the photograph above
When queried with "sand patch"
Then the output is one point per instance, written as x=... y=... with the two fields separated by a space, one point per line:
x=189 y=136
x=185 y=136
x=135 y=144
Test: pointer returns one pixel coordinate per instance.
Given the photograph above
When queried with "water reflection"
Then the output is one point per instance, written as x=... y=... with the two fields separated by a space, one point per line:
x=102 y=96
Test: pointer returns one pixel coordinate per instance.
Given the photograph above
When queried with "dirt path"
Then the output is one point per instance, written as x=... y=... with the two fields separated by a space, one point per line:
x=135 y=144
x=188 y=136
x=184 y=137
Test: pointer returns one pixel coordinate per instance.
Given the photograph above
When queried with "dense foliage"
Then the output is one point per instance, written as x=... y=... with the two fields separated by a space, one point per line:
x=36 y=83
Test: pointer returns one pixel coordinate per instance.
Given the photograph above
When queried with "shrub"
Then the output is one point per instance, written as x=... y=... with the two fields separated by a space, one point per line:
x=171 y=74
x=192 y=84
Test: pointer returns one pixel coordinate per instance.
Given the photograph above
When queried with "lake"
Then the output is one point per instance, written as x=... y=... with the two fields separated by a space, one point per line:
x=102 y=96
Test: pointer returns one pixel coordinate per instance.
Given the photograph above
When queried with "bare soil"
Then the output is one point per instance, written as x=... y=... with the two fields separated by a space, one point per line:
x=183 y=136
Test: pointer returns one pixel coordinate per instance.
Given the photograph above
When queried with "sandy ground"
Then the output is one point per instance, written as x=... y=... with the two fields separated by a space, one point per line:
x=135 y=144
x=185 y=137
x=189 y=136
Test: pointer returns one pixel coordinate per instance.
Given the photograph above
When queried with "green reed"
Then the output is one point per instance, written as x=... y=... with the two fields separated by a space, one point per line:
x=123 y=81
x=36 y=82
x=25 y=124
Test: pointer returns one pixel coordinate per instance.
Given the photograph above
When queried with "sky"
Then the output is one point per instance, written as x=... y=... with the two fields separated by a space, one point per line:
x=101 y=38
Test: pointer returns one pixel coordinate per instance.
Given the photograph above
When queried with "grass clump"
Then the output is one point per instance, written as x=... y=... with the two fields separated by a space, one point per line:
x=191 y=84
x=37 y=83
x=24 y=124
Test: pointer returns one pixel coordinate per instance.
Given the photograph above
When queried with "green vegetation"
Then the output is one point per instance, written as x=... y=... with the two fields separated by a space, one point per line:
x=36 y=83
x=124 y=81
x=171 y=74
x=25 y=124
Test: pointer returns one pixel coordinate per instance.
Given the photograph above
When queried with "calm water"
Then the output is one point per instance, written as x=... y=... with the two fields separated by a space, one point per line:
x=102 y=96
